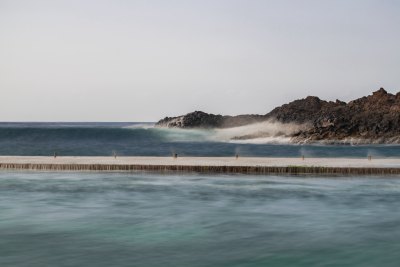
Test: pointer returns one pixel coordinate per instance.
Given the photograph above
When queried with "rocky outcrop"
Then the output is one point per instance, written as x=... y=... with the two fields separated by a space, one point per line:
x=301 y=111
x=375 y=118
x=371 y=119
x=197 y=119
x=200 y=119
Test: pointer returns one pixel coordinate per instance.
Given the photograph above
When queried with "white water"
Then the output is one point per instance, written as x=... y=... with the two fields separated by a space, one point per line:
x=257 y=133
x=263 y=132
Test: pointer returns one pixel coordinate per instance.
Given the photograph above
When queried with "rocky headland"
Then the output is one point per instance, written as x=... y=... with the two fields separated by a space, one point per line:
x=369 y=119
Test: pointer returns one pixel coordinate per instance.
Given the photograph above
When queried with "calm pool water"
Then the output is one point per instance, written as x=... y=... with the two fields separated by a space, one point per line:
x=150 y=220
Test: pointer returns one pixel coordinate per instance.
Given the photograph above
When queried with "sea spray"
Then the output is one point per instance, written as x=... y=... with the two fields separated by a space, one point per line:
x=263 y=132
x=257 y=133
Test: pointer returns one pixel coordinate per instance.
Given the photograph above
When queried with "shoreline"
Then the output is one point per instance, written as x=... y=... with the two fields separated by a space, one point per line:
x=244 y=165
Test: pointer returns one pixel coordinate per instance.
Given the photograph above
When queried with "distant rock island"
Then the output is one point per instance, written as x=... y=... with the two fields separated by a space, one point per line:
x=370 y=119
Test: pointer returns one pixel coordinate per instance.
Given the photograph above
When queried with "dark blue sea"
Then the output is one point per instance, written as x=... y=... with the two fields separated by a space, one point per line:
x=141 y=139
x=145 y=219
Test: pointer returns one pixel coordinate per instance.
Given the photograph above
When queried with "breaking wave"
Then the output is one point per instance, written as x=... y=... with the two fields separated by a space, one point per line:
x=259 y=133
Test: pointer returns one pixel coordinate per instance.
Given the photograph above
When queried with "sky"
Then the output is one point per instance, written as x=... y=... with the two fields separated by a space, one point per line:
x=83 y=60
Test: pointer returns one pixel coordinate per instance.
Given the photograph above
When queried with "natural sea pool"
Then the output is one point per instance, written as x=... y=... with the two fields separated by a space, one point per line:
x=149 y=219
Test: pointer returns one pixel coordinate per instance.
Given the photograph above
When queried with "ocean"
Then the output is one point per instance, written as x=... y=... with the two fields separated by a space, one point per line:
x=141 y=139
x=148 y=219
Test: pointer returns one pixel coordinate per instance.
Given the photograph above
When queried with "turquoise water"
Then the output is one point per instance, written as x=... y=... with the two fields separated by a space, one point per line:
x=150 y=220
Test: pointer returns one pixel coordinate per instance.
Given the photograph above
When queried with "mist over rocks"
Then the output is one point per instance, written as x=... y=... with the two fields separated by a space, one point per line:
x=369 y=119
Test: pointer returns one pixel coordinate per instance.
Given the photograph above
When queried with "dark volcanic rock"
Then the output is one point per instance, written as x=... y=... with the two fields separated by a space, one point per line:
x=374 y=118
x=302 y=111
x=200 y=119
x=197 y=119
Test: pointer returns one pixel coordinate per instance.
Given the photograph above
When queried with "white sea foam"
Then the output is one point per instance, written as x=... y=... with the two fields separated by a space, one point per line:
x=263 y=132
x=140 y=126
x=257 y=133
x=264 y=140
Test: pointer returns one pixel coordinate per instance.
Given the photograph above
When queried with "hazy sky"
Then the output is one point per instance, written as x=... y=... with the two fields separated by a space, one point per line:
x=143 y=60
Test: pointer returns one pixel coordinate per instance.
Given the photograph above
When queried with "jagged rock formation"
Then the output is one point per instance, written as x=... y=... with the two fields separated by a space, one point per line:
x=371 y=119
x=375 y=118
x=305 y=110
